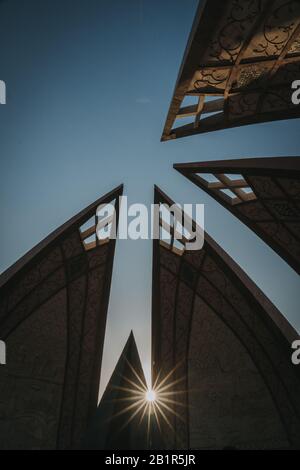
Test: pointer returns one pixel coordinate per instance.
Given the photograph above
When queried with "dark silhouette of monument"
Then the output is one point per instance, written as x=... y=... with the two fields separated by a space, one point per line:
x=226 y=350
x=221 y=352
x=53 y=306
x=120 y=422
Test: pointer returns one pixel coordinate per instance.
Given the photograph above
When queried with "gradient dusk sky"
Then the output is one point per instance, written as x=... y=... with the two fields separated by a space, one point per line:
x=89 y=83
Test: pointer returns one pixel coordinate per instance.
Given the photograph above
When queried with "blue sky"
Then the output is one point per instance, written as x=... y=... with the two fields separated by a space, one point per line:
x=89 y=83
